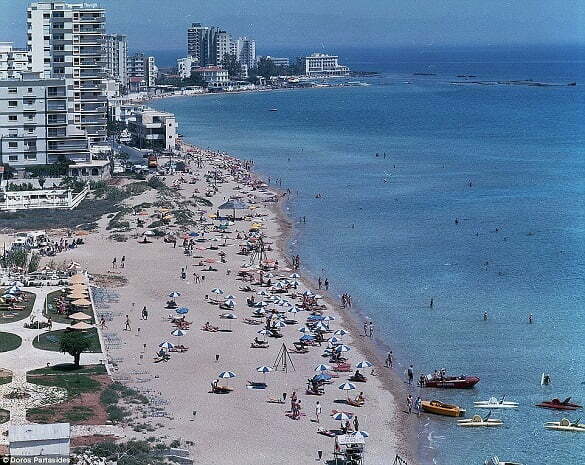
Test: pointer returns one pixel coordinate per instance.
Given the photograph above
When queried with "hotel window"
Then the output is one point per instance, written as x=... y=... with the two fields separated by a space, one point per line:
x=12 y=118
x=30 y=89
x=12 y=145
x=12 y=103
x=12 y=90
x=30 y=156
x=13 y=158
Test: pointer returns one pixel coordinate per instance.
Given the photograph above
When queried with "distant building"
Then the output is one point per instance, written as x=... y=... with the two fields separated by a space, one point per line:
x=213 y=76
x=279 y=62
x=245 y=51
x=13 y=61
x=39 y=441
x=153 y=129
x=35 y=128
x=65 y=41
x=117 y=57
x=142 y=72
x=185 y=66
x=222 y=46
x=319 y=64
x=200 y=43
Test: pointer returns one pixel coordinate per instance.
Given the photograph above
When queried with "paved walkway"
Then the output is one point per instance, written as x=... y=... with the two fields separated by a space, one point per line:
x=27 y=358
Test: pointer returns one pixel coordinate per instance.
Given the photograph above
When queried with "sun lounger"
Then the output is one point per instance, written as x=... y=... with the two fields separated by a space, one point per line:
x=359 y=379
x=161 y=359
x=344 y=367
x=249 y=321
x=326 y=432
x=354 y=403
x=257 y=385
x=179 y=349
x=274 y=400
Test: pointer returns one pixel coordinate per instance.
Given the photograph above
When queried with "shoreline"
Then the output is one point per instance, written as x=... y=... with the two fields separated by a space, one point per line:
x=374 y=349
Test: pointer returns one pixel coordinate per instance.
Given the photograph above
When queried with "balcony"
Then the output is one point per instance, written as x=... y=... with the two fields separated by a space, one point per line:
x=91 y=19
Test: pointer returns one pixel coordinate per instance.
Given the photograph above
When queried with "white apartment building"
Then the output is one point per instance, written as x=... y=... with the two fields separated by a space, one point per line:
x=12 y=61
x=223 y=46
x=35 y=125
x=319 y=64
x=65 y=41
x=142 y=72
x=185 y=65
x=116 y=57
x=153 y=129
x=245 y=51
x=214 y=76
x=277 y=61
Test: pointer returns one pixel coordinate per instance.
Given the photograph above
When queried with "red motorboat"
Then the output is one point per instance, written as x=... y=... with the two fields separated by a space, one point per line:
x=449 y=382
x=557 y=404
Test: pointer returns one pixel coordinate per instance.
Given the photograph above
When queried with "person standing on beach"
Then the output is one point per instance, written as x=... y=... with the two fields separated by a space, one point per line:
x=409 y=403
x=326 y=284
x=127 y=325
x=317 y=411
x=319 y=283
x=144 y=313
x=388 y=362
x=365 y=328
x=123 y=261
x=356 y=424
x=371 y=329
x=410 y=374
x=114 y=263
x=418 y=405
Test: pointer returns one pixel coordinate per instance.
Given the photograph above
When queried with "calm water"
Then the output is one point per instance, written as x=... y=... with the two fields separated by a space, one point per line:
x=518 y=247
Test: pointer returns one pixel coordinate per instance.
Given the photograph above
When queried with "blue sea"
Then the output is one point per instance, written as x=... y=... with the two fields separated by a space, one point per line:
x=476 y=199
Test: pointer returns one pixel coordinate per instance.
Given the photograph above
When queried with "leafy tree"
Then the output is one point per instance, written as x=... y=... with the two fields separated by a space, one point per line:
x=74 y=343
x=266 y=68
x=33 y=264
x=232 y=65
x=195 y=80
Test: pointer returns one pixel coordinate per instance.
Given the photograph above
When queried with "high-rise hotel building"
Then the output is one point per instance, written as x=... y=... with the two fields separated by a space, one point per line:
x=66 y=41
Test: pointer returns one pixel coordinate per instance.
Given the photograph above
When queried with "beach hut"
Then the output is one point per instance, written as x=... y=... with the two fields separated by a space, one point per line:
x=233 y=205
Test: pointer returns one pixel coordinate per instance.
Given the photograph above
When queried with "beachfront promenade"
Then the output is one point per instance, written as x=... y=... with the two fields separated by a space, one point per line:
x=218 y=427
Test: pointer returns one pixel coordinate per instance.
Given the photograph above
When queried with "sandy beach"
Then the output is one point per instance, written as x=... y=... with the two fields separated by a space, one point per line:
x=218 y=428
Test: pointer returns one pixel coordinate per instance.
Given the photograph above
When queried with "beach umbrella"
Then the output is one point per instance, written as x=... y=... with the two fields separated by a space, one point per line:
x=228 y=316
x=334 y=340
x=307 y=337
x=293 y=309
x=149 y=233
x=178 y=333
x=259 y=312
x=263 y=332
x=322 y=367
x=341 y=332
x=230 y=303
x=174 y=294
x=230 y=297
x=295 y=276
x=80 y=316
x=363 y=434
x=234 y=205
x=166 y=345
x=227 y=375
x=182 y=310
x=305 y=330
x=341 y=416
x=364 y=364
x=322 y=377
x=81 y=325
x=279 y=324
x=307 y=293
x=342 y=348
x=269 y=275
x=13 y=290
x=321 y=326
x=261 y=304
x=16 y=284
x=81 y=303
x=347 y=386
x=264 y=370
x=217 y=291
x=315 y=317
x=328 y=318
x=263 y=293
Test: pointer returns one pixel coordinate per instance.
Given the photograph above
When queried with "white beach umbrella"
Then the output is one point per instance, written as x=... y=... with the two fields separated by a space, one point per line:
x=230 y=297
x=269 y=276
x=292 y=310
x=364 y=364
x=217 y=291
x=307 y=293
x=305 y=330
x=295 y=276
x=322 y=367
x=334 y=340
x=230 y=303
x=328 y=318
x=342 y=348
x=261 y=304
x=363 y=434
x=259 y=311
x=263 y=293
x=228 y=316
x=321 y=326
x=279 y=324
x=178 y=332
x=166 y=345
x=264 y=370
x=341 y=416
x=341 y=332
x=226 y=375
x=174 y=294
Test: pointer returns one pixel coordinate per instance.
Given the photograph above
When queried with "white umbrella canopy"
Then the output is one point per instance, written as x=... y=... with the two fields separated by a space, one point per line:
x=230 y=297
x=263 y=369
x=341 y=416
x=80 y=316
x=295 y=276
x=217 y=291
x=364 y=364
x=328 y=318
x=305 y=330
x=174 y=294
x=341 y=332
x=230 y=303
x=166 y=345
x=334 y=340
x=342 y=348
x=279 y=324
x=226 y=375
x=263 y=293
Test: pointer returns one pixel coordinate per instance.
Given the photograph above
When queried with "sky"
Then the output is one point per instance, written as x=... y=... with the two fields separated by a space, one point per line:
x=317 y=25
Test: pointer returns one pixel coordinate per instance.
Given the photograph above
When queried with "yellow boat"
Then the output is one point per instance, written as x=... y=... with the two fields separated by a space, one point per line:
x=439 y=408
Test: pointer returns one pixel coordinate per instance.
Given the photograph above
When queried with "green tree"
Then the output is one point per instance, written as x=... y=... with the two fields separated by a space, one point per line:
x=266 y=68
x=195 y=80
x=232 y=65
x=74 y=343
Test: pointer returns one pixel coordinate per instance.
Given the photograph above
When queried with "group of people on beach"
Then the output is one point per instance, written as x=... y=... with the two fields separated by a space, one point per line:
x=122 y=262
x=345 y=300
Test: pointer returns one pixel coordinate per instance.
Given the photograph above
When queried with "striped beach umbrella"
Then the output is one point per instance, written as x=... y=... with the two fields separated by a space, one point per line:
x=347 y=386
x=293 y=310
x=341 y=416
x=322 y=367
x=305 y=330
x=264 y=370
x=328 y=318
x=178 y=332
x=263 y=293
x=226 y=375
x=174 y=294
x=217 y=291
x=279 y=324
x=230 y=297
x=230 y=303
x=295 y=276
x=341 y=332
x=364 y=364
x=342 y=348
x=334 y=340
x=166 y=345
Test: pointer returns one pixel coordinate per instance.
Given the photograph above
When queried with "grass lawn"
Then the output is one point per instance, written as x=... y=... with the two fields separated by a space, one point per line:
x=4 y=416
x=51 y=341
x=9 y=341
x=74 y=383
x=51 y=309
x=9 y=316
x=69 y=368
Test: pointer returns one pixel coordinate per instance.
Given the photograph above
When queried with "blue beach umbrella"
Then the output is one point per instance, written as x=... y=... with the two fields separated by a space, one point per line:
x=342 y=348
x=347 y=386
x=182 y=310
x=364 y=364
x=315 y=318
x=174 y=294
x=322 y=377
x=322 y=367
x=307 y=337
x=226 y=375
x=166 y=345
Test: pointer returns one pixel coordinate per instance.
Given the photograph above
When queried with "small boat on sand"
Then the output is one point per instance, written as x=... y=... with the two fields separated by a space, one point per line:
x=439 y=408
x=441 y=380
x=565 y=425
x=496 y=461
x=477 y=421
x=557 y=404
x=495 y=403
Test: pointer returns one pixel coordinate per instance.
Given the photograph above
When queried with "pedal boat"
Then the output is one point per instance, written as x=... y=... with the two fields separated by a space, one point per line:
x=439 y=408
x=477 y=421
